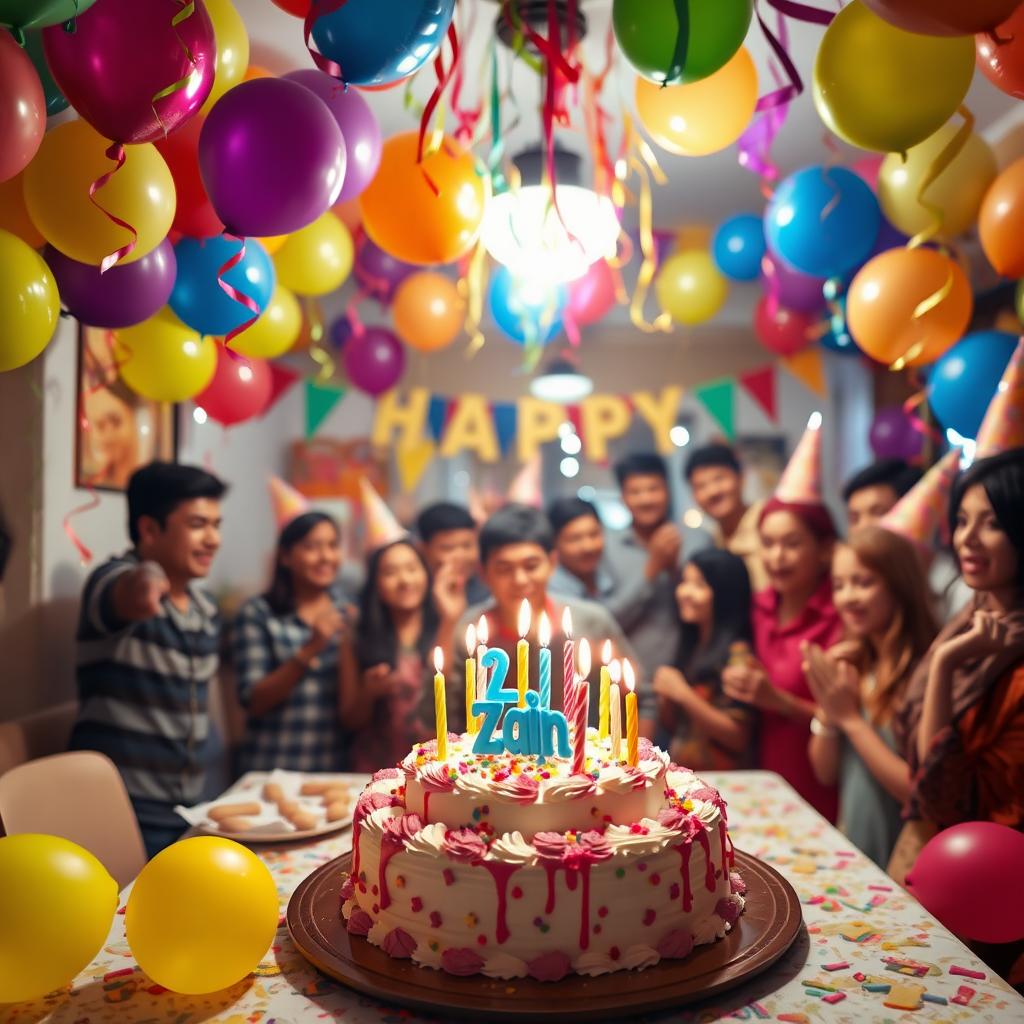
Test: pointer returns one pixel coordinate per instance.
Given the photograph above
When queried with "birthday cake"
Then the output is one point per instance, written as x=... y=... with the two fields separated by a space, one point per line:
x=515 y=865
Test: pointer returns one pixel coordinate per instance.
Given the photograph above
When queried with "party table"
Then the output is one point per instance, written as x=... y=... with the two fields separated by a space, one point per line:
x=867 y=944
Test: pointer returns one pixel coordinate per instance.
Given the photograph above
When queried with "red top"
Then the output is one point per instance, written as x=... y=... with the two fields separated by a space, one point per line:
x=784 y=740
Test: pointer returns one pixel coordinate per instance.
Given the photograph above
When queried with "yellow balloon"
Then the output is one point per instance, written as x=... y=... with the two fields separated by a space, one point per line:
x=881 y=88
x=690 y=288
x=164 y=360
x=316 y=259
x=272 y=243
x=29 y=303
x=276 y=330
x=232 y=49
x=56 y=905
x=57 y=182
x=957 y=191
x=201 y=915
x=14 y=214
x=700 y=117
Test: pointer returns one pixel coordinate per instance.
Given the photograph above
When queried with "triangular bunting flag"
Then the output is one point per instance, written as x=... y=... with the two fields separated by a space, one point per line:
x=437 y=415
x=505 y=417
x=718 y=398
x=320 y=400
x=760 y=385
x=808 y=368
x=412 y=460
x=281 y=379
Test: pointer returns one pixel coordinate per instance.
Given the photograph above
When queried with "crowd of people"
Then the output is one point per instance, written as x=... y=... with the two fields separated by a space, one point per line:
x=768 y=642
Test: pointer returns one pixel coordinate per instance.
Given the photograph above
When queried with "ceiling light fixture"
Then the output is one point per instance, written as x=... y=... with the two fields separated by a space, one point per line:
x=561 y=382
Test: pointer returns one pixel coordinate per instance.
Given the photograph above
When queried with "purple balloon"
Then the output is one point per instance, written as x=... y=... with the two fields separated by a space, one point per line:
x=378 y=271
x=126 y=294
x=358 y=126
x=374 y=360
x=894 y=436
x=799 y=292
x=271 y=156
x=340 y=331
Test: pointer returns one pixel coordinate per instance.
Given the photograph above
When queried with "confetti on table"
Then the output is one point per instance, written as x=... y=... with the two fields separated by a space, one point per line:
x=964 y=994
x=835 y=997
x=904 y=997
x=841 y=966
x=872 y=986
x=929 y=997
x=966 y=972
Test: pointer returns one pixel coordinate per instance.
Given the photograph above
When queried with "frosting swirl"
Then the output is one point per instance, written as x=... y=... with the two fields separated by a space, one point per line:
x=502 y=965
x=464 y=844
x=513 y=849
x=573 y=787
x=434 y=777
x=519 y=789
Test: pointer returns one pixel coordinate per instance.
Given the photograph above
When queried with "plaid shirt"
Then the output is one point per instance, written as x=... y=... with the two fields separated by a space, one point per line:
x=303 y=733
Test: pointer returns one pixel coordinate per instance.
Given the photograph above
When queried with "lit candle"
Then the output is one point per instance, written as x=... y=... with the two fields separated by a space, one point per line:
x=568 y=662
x=581 y=710
x=523 y=653
x=482 y=636
x=471 y=723
x=440 y=708
x=544 y=682
x=615 y=700
x=602 y=704
x=632 y=720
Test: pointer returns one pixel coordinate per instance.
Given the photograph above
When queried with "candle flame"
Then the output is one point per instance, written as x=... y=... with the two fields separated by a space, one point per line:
x=544 y=630
x=482 y=631
x=470 y=638
x=628 y=676
x=583 y=659
x=606 y=652
x=524 y=618
x=438 y=659
x=567 y=623
x=615 y=671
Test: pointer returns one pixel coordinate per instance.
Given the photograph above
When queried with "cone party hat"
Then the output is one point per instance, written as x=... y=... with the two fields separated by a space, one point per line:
x=1003 y=425
x=288 y=503
x=801 y=479
x=381 y=526
x=920 y=516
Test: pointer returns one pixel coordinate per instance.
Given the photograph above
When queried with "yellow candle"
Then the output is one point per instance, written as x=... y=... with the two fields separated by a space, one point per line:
x=523 y=653
x=471 y=723
x=632 y=719
x=615 y=709
x=482 y=636
x=602 y=704
x=440 y=708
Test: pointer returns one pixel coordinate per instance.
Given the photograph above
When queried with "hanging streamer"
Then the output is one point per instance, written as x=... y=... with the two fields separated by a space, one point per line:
x=317 y=352
x=443 y=77
x=471 y=288
x=114 y=152
x=319 y=9
x=234 y=293
x=188 y=8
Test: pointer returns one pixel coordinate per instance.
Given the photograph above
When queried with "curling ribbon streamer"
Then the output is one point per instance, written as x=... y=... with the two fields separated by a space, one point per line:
x=917 y=401
x=188 y=8
x=317 y=352
x=466 y=118
x=471 y=289
x=114 y=152
x=233 y=293
x=799 y=12
x=443 y=76
x=320 y=9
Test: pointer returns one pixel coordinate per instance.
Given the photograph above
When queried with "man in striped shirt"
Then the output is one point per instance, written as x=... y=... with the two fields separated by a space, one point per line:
x=148 y=641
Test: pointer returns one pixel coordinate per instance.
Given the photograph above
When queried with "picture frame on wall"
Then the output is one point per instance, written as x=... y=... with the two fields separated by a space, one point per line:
x=116 y=430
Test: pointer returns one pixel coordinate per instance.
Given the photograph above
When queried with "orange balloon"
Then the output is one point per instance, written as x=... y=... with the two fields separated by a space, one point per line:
x=255 y=71
x=1001 y=221
x=347 y=211
x=14 y=214
x=428 y=311
x=884 y=295
x=700 y=117
x=414 y=222
x=272 y=243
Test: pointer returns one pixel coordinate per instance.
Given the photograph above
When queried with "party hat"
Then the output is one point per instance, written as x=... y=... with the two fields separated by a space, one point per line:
x=380 y=523
x=801 y=480
x=920 y=515
x=1003 y=425
x=525 y=487
x=477 y=509
x=288 y=503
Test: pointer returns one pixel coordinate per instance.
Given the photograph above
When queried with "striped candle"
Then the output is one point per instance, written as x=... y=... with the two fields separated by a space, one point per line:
x=581 y=709
x=568 y=662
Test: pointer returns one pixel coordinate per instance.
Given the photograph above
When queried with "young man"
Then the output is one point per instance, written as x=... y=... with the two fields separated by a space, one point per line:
x=716 y=480
x=449 y=536
x=148 y=639
x=579 y=544
x=870 y=493
x=516 y=548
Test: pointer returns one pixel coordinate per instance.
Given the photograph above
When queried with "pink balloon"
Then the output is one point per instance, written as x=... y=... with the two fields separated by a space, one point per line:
x=122 y=54
x=22 y=108
x=240 y=389
x=374 y=360
x=967 y=877
x=592 y=295
x=868 y=167
x=781 y=330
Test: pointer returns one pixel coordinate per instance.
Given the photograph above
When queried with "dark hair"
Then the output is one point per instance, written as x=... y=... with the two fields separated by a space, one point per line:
x=6 y=543
x=712 y=455
x=726 y=575
x=376 y=639
x=563 y=511
x=157 y=489
x=280 y=595
x=814 y=515
x=441 y=517
x=1002 y=476
x=515 y=524
x=640 y=464
x=894 y=473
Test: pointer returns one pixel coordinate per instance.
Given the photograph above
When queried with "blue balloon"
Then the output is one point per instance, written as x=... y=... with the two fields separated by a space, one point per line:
x=822 y=221
x=198 y=299
x=738 y=246
x=838 y=339
x=527 y=310
x=965 y=378
x=375 y=42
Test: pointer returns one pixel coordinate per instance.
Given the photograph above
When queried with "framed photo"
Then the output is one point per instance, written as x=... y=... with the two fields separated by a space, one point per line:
x=116 y=430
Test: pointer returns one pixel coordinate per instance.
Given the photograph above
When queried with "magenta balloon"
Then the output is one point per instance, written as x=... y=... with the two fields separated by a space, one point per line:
x=964 y=876
x=893 y=435
x=592 y=295
x=374 y=360
x=358 y=126
x=271 y=157
x=126 y=294
x=22 y=108
x=121 y=54
x=799 y=292
x=378 y=271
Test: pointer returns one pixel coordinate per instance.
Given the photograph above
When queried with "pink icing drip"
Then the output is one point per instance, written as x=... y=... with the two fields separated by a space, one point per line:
x=709 y=870
x=393 y=838
x=552 y=870
x=501 y=873
x=426 y=806
x=571 y=879
x=684 y=850
x=725 y=852
x=585 y=908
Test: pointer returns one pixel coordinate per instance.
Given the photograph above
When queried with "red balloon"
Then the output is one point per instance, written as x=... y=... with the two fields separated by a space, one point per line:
x=194 y=215
x=965 y=877
x=22 y=108
x=300 y=8
x=943 y=17
x=783 y=331
x=868 y=167
x=1000 y=55
x=592 y=295
x=240 y=389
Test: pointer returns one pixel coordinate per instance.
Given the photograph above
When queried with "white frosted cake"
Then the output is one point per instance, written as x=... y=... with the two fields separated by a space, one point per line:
x=511 y=866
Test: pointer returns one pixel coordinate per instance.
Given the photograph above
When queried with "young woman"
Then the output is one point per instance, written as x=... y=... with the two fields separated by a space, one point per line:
x=796 y=608
x=962 y=727
x=709 y=730
x=883 y=600
x=289 y=648
x=400 y=621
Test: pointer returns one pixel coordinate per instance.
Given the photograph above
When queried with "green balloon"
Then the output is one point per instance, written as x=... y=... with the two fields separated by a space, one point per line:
x=677 y=41
x=55 y=101
x=20 y=14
